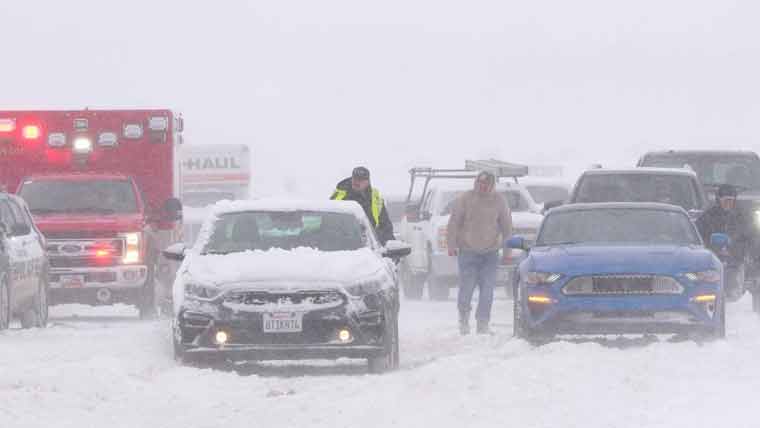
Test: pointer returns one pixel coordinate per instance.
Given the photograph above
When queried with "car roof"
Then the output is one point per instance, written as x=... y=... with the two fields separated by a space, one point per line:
x=703 y=152
x=76 y=176
x=618 y=205
x=321 y=205
x=642 y=170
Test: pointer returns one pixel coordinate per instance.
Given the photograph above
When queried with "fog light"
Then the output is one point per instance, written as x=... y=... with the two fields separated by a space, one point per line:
x=705 y=298
x=344 y=335
x=221 y=337
x=82 y=145
x=539 y=299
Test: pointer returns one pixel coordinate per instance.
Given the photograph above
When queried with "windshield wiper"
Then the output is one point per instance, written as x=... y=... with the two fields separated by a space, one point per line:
x=93 y=210
x=45 y=211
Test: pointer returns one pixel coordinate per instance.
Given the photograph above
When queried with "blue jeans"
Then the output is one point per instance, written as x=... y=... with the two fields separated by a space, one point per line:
x=477 y=270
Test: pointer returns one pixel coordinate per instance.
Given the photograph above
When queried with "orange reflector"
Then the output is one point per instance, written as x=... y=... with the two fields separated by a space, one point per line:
x=7 y=125
x=705 y=298
x=31 y=132
x=539 y=299
x=102 y=253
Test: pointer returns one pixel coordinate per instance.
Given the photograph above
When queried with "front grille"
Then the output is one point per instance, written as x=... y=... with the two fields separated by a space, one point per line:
x=282 y=300
x=80 y=262
x=81 y=234
x=606 y=285
x=86 y=248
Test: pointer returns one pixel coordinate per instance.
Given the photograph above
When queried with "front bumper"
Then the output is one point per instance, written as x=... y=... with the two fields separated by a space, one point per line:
x=197 y=324
x=111 y=277
x=655 y=314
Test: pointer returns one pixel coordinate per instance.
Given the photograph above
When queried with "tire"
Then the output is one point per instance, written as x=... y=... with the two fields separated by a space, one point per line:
x=37 y=315
x=390 y=360
x=438 y=289
x=519 y=329
x=720 y=331
x=146 y=300
x=756 y=301
x=735 y=277
x=5 y=305
x=413 y=284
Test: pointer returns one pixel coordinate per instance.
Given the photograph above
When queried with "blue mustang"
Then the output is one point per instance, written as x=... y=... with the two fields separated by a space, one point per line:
x=619 y=268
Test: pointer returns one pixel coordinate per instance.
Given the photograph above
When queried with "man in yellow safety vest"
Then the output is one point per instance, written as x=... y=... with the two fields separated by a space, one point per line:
x=358 y=188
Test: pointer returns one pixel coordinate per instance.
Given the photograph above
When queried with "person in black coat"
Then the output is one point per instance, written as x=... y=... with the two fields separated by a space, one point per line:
x=358 y=188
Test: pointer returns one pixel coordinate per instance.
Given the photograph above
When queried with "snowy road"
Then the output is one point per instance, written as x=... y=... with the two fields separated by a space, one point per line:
x=104 y=368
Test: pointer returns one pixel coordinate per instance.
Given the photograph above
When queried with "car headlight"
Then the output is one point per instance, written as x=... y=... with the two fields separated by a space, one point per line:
x=756 y=216
x=132 y=246
x=360 y=289
x=710 y=276
x=541 y=278
x=193 y=290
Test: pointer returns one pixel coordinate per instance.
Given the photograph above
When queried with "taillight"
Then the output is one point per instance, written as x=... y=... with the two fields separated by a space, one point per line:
x=7 y=125
x=443 y=238
x=31 y=132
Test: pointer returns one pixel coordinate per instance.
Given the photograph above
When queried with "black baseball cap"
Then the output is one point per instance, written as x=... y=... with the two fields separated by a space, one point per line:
x=360 y=172
x=727 y=191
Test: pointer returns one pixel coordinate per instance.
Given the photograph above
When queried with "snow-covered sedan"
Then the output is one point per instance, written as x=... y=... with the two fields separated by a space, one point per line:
x=616 y=268
x=280 y=280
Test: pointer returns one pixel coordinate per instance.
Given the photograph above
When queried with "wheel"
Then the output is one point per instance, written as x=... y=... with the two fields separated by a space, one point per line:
x=756 y=301
x=437 y=289
x=413 y=284
x=518 y=324
x=146 y=300
x=735 y=283
x=390 y=360
x=37 y=315
x=5 y=305
x=720 y=330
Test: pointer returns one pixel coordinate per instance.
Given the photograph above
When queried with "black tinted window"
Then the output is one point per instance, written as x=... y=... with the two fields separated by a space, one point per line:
x=618 y=226
x=742 y=171
x=542 y=193
x=669 y=189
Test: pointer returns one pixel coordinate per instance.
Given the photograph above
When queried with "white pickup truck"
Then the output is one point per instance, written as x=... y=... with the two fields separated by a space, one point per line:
x=424 y=228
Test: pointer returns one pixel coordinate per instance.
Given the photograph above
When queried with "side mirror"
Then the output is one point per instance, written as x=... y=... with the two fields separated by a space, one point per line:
x=412 y=213
x=172 y=210
x=20 y=229
x=695 y=214
x=516 y=243
x=552 y=204
x=396 y=249
x=719 y=240
x=175 y=252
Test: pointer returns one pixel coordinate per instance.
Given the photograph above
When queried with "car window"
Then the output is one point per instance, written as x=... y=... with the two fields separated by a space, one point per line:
x=265 y=230
x=664 y=188
x=543 y=193
x=713 y=169
x=6 y=213
x=19 y=214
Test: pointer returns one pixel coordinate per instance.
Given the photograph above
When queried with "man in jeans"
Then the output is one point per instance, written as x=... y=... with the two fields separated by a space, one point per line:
x=480 y=223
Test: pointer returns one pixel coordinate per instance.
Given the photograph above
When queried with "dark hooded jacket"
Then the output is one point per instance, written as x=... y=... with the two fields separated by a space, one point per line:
x=372 y=203
x=730 y=222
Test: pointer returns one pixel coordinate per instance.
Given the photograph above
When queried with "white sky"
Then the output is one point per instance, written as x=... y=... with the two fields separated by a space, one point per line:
x=316 y=87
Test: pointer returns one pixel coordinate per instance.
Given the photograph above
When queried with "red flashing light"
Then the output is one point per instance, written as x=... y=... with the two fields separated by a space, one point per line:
x=102 y=253
x=31 y=132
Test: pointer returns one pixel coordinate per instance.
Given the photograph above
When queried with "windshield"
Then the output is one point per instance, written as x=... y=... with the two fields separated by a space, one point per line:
x=516 y=201
x=203 y=199
x=264 y=230
x=664 y=188
x=617 y=225
x=543 y=193
x=79 y=196
x=742 y=171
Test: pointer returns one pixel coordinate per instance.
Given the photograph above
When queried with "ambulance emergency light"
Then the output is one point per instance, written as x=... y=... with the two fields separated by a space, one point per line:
x=7 y=125
x=82 y=145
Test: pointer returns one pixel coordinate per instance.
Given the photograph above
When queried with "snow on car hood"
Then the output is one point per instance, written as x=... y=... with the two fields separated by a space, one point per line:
x=283 y=266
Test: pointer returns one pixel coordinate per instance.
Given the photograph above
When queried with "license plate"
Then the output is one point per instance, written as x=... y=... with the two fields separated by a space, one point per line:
x=283 y=322
x=72 y=281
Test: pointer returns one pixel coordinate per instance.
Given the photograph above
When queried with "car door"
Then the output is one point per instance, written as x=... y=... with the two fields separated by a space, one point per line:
x=33 y=243
x=18 y=257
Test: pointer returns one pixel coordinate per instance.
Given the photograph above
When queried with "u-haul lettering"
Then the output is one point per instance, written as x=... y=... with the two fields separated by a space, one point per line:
x=199 y=164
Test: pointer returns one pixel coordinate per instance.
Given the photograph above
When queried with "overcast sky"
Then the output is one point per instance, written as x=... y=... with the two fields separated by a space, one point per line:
x=316 y=87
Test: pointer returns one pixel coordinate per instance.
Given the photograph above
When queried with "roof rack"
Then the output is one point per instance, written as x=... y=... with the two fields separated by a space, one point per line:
x=471 y=170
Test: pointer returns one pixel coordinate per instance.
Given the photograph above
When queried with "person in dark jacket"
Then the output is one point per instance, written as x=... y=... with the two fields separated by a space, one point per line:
x=358 y=188
x=723 y=217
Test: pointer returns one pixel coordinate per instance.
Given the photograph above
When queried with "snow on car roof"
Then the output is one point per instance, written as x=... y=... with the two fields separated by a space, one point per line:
x=617 y=205
x=346 y=207
x=642 y=170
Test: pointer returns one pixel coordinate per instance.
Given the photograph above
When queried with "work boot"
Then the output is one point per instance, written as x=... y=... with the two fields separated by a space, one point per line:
x=464 y=324
x=483 y=327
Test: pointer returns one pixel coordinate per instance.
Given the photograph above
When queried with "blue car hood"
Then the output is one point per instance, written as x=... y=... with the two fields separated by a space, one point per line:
x=618 y=259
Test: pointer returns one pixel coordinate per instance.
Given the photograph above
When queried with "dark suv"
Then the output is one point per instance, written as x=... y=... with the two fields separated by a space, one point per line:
x=716 y=167
x=671 y=186
x=23 y=266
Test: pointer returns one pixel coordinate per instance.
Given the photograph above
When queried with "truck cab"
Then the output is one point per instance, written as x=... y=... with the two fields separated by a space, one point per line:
x=102 y=186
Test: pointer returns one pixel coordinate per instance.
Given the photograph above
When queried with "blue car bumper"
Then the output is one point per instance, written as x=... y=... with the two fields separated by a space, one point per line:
x=556 y=313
